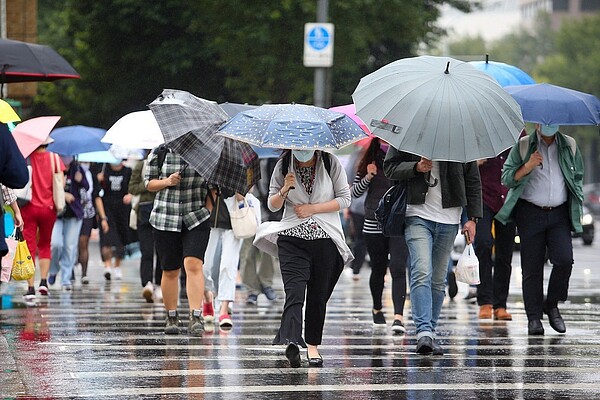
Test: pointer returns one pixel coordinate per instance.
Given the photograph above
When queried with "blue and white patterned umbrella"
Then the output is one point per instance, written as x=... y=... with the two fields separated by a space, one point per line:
x=293 y=126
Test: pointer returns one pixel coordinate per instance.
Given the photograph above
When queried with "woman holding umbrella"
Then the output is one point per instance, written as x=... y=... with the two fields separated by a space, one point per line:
x=312 y=187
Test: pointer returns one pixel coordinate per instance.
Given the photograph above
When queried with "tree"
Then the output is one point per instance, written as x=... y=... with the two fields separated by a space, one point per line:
x=127 y=51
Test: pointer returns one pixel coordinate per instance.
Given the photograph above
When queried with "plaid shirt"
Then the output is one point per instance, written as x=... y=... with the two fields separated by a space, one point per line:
x=178 y=206
x=8 y=195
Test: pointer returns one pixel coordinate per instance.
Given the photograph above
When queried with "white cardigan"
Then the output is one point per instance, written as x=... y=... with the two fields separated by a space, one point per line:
x=326 y=187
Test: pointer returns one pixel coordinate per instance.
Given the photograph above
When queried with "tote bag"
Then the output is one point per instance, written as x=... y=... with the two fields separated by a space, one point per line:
x=58 y=187
x=23 y=267
x=243 y=221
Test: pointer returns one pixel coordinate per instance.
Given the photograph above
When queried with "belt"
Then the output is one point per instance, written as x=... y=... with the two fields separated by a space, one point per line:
x=543 y=208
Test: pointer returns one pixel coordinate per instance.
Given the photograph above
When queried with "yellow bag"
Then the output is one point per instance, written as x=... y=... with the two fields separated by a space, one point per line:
x=23 y=266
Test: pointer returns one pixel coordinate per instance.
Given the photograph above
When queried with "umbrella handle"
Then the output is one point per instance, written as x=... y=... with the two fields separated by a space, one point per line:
x=427 y=177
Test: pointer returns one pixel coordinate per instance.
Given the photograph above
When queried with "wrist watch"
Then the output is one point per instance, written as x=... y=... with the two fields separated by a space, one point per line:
x=476 y=220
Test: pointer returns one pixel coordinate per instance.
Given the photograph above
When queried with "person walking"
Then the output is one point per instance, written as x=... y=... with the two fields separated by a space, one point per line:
x=437 y=191
x=309 y=240
x=39 y=215
x=181 y=229
x=65 y=233
x=150 y=273
x=116 y=203
x=544 y=174
x=88 y=222
x=494 y=274
x=384 y=252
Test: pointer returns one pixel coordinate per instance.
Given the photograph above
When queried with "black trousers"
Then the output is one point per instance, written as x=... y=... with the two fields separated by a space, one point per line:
x=359 y=248
x=540 y=229
x=312 y=267
x=494 y=276
x=148 y=271
x=379 y=248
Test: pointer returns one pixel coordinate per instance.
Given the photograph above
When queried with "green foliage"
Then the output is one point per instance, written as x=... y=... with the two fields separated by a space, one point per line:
x=127 y=51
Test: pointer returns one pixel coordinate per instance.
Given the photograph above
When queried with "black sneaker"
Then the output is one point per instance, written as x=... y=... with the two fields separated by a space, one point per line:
x=172 y=324
x=196 y=324
x=398 y=327
x=424 y=345
x=378 y=318
x=270 y=293
x=452 y=287
x=252 y=299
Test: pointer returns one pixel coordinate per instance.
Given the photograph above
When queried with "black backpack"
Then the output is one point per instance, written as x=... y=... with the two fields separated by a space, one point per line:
x=391 y=211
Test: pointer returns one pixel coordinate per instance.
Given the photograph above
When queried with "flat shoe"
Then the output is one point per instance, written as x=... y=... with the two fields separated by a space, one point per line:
x=315 y=361
x=292 y=353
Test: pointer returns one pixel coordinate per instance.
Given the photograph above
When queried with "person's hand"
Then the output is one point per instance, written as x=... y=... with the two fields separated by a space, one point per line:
x=534 y=161
x=371 y=170
x=127 y=199
x=469 y=229
x=304 y=210
x=69 y=198
x=174 y=179
x=288 y=183
x=78 y=176
x=424 y=165
x=104 y=225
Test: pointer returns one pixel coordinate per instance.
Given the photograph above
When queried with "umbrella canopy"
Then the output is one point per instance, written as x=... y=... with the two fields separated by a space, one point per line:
x=504 y=74
x=293 y=126
x=72 y=140
x=7 y=114
x=98 y=157
x=233 y=108
x=30 y=134
x=438 y=108
x=350 y=110
x=548 y=104
x=179 y=112
x=188 y=124
x=136 y=130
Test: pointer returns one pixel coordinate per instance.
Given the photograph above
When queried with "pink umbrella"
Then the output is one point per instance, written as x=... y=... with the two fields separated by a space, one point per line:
x=350 y=110
x=30 y=134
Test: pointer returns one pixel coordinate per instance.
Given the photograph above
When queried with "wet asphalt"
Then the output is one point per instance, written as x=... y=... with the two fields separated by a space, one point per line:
x=103 y=341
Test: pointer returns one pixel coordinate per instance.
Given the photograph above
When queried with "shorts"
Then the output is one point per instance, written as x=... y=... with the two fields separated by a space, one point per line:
x=173 y=247
x=86 y=227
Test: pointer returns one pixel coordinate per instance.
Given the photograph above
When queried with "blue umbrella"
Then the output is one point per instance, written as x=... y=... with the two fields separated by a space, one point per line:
x=548 y=104
x=98 y=157
x=504 y=74
x=293 y=126
x=72 y=140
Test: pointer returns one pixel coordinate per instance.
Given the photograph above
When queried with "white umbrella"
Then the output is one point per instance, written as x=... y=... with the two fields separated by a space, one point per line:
x=439 y=108
x=137 y=130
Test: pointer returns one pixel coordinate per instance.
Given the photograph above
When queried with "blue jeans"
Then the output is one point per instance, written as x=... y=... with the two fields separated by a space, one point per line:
x=429 y=245
x=64 y=245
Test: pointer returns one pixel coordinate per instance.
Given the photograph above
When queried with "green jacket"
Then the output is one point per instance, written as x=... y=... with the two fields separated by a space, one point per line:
x=571 y=165
x=137 y=186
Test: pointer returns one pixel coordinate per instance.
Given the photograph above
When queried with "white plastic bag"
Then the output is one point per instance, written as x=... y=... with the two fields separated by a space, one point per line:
x=467 y=267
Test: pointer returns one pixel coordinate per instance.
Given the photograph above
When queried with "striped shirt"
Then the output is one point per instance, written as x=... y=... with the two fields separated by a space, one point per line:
x=181 y=206
x=359 y=187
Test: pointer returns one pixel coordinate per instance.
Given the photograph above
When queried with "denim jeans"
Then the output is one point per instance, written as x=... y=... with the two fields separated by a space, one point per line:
x=64 y=245
x=429 y=245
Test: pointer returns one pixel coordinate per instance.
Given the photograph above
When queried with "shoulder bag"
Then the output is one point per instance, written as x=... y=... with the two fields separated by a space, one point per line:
x=58 y=187
x=243 y=221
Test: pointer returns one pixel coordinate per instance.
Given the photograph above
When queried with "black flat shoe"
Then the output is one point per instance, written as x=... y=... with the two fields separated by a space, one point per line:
x=292 y=353
x=535 y=327
x=315 y=361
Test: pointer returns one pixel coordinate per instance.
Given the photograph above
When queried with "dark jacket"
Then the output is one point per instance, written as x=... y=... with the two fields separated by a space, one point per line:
x=461 y=185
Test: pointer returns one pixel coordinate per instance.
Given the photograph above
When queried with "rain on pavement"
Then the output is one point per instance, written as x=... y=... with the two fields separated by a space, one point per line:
x=104 y=341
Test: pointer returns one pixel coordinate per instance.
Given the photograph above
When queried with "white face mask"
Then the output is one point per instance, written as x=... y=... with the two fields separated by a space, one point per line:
x=549 y=130
x=303 y=155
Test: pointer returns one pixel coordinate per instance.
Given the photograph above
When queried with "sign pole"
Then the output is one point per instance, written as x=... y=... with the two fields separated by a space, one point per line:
x=321 y=73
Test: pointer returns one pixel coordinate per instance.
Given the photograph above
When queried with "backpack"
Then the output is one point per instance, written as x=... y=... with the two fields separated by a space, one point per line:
x=391 y=212
x=524 y=145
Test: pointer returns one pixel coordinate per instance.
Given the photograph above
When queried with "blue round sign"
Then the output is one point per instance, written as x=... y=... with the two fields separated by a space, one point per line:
x=318 y=38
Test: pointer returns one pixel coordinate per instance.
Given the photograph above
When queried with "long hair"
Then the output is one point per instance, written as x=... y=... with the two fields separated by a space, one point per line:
x=368 y=157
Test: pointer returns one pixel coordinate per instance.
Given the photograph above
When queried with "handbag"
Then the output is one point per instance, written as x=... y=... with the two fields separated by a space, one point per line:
x=467 y=267
x=23 y=267
x=391 y=211
x=24 y=194
x=243 y=221
x=58 y=186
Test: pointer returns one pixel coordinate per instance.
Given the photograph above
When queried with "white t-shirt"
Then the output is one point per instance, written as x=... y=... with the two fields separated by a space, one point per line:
x=432 y=208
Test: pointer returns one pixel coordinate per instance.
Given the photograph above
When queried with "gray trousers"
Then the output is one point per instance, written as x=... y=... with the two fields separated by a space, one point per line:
x=256 y=267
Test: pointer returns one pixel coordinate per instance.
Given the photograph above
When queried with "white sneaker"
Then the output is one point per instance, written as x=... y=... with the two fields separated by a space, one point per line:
x=118 y=273
x=158 y=293
x=107 y=273
x=147 y=292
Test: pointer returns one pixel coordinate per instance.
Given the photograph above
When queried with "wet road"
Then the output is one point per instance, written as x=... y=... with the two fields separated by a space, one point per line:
x=104 y=341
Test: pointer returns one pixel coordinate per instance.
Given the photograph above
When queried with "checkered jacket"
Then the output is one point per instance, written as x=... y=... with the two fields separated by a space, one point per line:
x=177 y=206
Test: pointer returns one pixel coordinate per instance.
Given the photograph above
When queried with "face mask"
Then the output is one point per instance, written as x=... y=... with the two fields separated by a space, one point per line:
x=549 y=130
x=303 y=155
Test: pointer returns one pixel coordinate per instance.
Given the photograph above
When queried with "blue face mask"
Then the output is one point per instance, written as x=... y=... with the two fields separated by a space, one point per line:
x=549 y=130
x=303 y=155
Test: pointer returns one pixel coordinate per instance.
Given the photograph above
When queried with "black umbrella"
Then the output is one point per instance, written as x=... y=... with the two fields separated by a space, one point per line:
x=30 y=62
